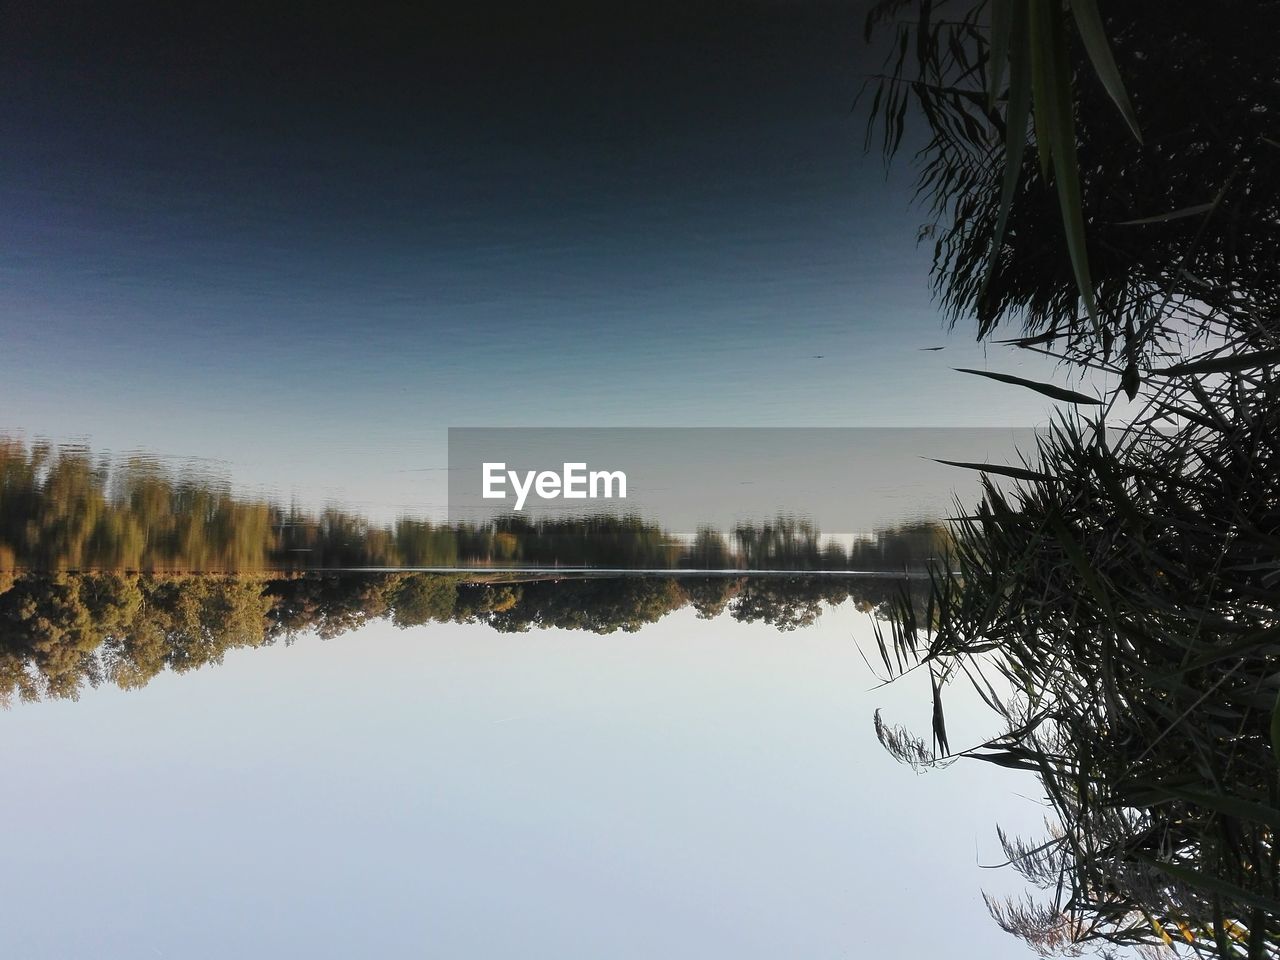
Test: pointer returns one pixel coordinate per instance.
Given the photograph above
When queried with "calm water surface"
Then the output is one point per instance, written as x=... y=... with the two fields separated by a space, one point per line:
x=696 y=788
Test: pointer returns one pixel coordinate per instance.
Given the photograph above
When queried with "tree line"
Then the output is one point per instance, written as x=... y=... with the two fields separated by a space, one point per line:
x=61 y=510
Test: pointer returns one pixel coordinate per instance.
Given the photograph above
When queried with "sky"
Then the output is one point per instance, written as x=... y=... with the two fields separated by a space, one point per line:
x=299 y=243
x=699 y=789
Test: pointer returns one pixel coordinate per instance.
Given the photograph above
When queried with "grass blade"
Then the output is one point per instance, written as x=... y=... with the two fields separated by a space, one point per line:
x=1227 y=364
x=1002 y=14
x=1058 y=124
x=1037 y=53
x=1172 y=215
x=1094 y=36
x=1017 y=473
x=1048 y=389
x=1015 y=131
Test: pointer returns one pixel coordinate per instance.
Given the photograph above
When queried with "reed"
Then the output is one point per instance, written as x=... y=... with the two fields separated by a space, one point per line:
x=1114 y=599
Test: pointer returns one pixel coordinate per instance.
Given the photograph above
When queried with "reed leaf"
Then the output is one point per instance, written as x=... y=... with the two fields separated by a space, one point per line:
x=1015 y=128
x=1017 y=473
x=1048 y=389
x=1094 y=37
x=1002 y=17
x=1229 y=363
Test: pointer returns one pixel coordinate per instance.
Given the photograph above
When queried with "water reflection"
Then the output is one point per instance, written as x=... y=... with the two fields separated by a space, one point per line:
x=62 y=510
x=63 y=632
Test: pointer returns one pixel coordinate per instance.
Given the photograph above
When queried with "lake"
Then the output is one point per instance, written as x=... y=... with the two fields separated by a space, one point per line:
x=688 y=784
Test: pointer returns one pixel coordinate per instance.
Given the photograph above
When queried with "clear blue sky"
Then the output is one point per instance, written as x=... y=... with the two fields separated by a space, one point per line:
x=303 y=249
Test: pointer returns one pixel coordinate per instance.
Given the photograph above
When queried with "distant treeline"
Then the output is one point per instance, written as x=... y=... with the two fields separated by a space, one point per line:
x=62 y=632
x=59 y=510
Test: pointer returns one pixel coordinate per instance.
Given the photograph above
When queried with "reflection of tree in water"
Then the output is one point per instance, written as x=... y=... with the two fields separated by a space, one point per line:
x=62 y=632
x=787 y=602
x=58 y=633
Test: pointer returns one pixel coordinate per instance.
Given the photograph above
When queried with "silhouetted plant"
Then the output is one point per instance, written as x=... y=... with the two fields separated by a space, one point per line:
x=1116 y=604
